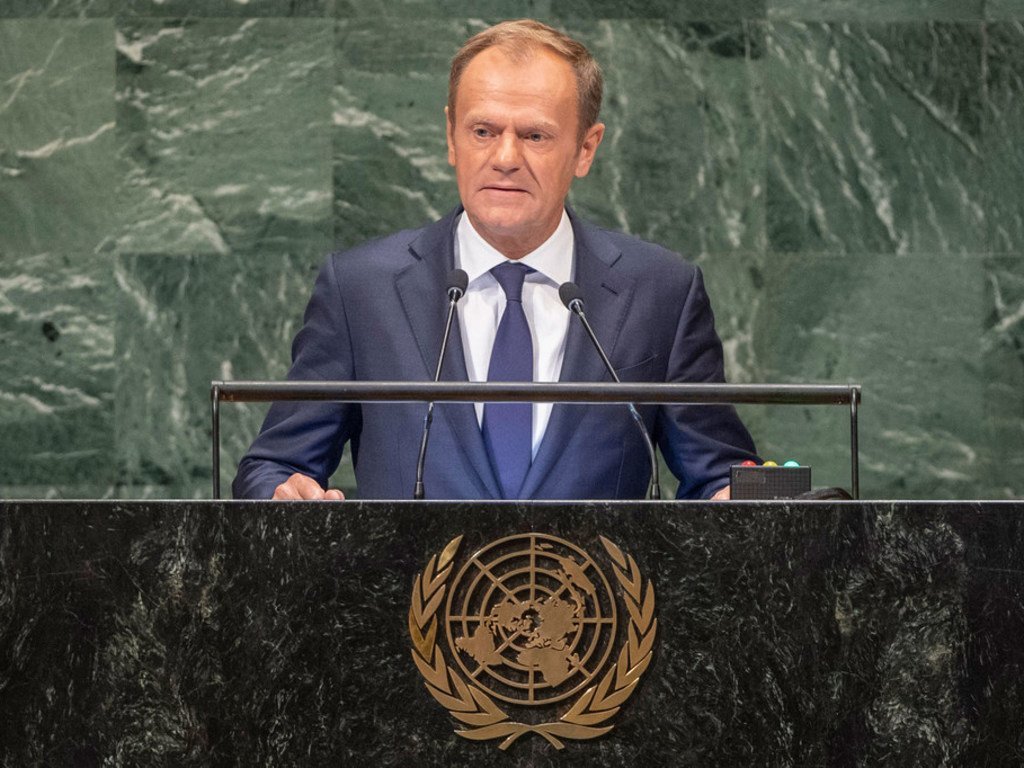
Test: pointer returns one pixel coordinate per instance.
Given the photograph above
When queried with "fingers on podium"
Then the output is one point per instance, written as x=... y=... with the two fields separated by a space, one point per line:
x=299 y=487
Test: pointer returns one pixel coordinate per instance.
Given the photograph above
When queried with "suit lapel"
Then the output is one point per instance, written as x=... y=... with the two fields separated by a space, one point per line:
x=420 y=288
x=607 y=295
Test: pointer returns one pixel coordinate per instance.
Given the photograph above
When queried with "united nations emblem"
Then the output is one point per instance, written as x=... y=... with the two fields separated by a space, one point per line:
x=531 y=621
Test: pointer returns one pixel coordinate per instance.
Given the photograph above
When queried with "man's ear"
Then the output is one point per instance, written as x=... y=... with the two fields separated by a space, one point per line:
x=588 y=148
x=448 y=137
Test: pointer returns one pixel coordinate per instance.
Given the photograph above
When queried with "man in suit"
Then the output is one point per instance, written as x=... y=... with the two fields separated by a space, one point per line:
x=521 y=125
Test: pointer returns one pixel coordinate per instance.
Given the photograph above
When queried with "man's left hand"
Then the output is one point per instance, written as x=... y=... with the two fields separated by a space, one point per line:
x=722 y=495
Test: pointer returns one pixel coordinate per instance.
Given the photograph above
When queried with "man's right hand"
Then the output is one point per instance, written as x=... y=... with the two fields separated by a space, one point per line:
x=299 y=487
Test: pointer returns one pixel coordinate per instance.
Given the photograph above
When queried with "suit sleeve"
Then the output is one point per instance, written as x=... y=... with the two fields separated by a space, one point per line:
x=307 y=437
x=700 y=442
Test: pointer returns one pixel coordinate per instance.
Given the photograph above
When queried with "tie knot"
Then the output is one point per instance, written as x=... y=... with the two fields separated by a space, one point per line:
x=510 y=276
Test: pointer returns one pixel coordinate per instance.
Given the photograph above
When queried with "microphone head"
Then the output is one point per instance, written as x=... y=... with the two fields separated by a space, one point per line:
x=457 y=281
x=570 y=293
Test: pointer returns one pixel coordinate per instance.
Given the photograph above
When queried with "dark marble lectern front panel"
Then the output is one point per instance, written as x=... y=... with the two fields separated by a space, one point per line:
x=194 y=634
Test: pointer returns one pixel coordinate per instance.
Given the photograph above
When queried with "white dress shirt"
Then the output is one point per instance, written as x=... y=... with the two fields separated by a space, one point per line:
x=481 y=308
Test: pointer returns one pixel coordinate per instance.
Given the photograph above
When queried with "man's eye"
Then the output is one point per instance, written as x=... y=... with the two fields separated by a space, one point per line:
x=535 y=137
x=481 y=132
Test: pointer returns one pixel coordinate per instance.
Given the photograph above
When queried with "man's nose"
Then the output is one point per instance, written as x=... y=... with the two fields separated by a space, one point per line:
x=507 y=153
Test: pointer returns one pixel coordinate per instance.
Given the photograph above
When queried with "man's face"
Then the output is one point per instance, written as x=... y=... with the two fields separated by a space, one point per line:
x=514 y=146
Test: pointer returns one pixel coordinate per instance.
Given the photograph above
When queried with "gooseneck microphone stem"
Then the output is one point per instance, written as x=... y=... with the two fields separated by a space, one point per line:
x=418 y=491
x=457 y=282
x=569 y=294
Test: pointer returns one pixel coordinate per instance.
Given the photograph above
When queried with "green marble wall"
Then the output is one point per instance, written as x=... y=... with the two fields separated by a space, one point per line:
x=848 y=174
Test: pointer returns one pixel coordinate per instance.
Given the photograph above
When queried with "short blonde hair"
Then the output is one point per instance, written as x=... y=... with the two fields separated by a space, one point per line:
x=519 y=39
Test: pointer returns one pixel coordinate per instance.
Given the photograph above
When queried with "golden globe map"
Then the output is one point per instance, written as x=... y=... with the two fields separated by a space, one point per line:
x=530 y=620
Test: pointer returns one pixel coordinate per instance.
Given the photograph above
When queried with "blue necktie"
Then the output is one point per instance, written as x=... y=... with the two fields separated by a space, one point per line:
x=508 y=427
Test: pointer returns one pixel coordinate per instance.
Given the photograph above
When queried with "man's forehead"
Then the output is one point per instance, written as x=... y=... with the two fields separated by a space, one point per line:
x=542 y=77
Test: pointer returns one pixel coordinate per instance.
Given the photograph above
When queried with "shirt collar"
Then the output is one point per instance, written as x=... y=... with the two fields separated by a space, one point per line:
x=552 y=258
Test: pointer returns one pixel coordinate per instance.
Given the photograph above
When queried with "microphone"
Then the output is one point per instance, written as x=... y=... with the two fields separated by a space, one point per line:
x=572 y=298
x=457 y=281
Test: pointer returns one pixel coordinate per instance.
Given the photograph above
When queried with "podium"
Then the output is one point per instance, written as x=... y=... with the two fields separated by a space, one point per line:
x=262 y=633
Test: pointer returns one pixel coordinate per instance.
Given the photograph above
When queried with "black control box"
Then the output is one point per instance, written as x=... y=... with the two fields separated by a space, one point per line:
x=769 y=482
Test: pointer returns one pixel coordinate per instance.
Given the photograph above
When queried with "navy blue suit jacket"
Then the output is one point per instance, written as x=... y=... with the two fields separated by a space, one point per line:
x=377 y=313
